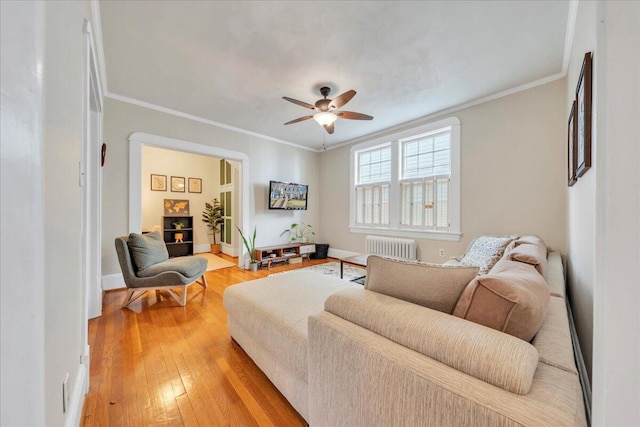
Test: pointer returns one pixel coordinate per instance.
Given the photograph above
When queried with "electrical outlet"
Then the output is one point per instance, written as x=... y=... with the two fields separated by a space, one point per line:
x=441 y=253
x=65 y=393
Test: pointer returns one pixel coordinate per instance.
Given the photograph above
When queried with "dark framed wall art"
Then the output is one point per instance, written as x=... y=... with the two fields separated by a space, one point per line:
x=195 y=185
x=158 y=182
x=571 y=146
x=583 y=118
x=177 y=184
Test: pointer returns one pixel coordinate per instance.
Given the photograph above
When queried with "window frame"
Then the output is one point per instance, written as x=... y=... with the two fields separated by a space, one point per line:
x=395 y=228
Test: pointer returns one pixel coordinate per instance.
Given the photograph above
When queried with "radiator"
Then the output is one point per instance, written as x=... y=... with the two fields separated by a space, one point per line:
x=392 y=247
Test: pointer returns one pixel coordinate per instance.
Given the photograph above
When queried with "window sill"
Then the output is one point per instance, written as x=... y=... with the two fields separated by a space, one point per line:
x=403 y=232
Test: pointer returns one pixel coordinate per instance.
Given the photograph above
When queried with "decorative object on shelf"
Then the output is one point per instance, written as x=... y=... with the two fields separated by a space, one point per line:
x=173 y=207
x=158 y=182
x=583 y=117
x=250 y=245
x=177 y=184
x=300 y=233
x=179 y=237
x=178 y=224
x=212 y=216
x=571 y=144
x=195 y=185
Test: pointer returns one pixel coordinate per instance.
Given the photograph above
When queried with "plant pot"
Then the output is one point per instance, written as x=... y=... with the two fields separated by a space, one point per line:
x=178 y=227
x=216 y=248
x=253 y=266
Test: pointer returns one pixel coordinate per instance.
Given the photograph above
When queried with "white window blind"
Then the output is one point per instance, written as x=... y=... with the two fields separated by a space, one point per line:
x=372 y=186
x=425 y=173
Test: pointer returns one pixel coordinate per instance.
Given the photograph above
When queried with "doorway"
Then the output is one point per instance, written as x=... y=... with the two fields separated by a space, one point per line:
x=139 y=139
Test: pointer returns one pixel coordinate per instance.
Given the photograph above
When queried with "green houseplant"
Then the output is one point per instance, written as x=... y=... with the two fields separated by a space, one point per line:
x=212 y=216
x=250 y=245
x=300 y=233
x=178 y=224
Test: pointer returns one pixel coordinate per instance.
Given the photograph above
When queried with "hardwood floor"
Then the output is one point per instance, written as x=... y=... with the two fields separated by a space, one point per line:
x=157 y=363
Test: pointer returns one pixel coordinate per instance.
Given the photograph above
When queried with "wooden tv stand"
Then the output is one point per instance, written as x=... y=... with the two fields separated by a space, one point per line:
x=283 y=253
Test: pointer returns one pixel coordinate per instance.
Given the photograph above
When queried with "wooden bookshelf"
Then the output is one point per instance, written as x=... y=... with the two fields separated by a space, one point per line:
x=269 y=255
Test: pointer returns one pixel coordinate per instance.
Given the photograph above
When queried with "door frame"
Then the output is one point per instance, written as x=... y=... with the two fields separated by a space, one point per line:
x=138 y=139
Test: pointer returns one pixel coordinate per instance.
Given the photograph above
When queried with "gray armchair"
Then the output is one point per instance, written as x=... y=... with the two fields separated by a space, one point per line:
x=158 y=270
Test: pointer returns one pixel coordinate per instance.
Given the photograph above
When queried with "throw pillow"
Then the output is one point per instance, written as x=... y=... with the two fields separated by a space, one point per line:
x=147 y=249
x=530 y=254
x=513 y=298
x=485 y=251
x=430 y=285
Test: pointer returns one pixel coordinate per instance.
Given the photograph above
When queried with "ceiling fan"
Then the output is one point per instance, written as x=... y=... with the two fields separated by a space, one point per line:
x=326 y=108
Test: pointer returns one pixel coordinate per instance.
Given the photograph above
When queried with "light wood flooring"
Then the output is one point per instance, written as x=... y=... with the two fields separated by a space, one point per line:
x=157 y=363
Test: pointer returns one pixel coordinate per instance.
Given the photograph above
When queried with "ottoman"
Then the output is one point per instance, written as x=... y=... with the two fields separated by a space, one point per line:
x=268 y=319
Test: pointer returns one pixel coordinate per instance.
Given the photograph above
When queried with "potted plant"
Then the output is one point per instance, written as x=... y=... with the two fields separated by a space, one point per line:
x=300 y=233
x=212 y=216
x=178 y=224
x=250 y=245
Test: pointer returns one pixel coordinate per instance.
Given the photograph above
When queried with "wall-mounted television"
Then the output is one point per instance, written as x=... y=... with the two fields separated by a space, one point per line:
x=287 y=195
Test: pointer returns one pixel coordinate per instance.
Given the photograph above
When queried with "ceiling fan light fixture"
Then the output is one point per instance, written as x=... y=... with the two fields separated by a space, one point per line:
x=325 y=118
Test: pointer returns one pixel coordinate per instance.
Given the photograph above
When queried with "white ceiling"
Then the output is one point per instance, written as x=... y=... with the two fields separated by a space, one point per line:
x=231 y=62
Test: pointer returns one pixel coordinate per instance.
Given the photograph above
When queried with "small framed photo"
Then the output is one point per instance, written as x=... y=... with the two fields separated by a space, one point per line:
x=571 y=146
x=174 y=207
x=177 y=184
x=583 y=117
x=158 y=182
x=195 y=185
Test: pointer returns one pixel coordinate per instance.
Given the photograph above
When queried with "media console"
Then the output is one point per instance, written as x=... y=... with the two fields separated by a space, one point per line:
x=290 y=252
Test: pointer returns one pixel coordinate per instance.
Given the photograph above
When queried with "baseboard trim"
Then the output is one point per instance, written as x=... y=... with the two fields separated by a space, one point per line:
x=113 y=281
x=77 y=398
x=582 y=368
x=201 y=248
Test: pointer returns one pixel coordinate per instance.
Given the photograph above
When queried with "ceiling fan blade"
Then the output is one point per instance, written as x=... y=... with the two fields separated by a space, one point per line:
x=299 y=119
x=300 y=103
x=340 y=100
x=328 y=128
x=353 y=116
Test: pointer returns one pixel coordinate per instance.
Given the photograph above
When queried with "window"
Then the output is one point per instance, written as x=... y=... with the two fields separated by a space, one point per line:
x=409 y=184
x=372 y=185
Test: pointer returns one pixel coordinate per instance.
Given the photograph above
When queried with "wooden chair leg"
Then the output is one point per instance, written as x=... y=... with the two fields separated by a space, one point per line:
x=182 y=299
x=132 y=296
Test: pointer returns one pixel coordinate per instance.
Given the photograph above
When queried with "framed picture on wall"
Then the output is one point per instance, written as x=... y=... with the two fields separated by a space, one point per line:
x=195 y=185
x=583 y=117
x=174 y=207
x=177 y=184
x=158 y=182
x=571 y=146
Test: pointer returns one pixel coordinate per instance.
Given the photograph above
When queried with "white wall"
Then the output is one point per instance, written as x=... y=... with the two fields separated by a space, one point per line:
x=42 y=325
x=616 y=294
x=64 y=290
x=582 y=195
x=268 y=161
x=170 y=163
x=513 y=176
x=22 y=284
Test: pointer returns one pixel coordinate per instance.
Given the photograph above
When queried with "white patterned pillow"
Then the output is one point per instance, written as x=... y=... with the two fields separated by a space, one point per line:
x=485 y=251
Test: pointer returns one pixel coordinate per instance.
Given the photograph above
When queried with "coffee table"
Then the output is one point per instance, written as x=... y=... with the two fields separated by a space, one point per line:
x=359 y=260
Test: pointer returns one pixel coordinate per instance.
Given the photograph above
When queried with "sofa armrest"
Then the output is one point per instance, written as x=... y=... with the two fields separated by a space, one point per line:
x=489 y=355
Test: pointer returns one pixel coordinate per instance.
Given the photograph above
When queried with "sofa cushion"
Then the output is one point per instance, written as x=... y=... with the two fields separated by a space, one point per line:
x=188 y=266
x=514 y=299
x=553 y=340
x=431 y=285
x=491 y=356
x=147 y=249
x=485 y=251
x=530 y=254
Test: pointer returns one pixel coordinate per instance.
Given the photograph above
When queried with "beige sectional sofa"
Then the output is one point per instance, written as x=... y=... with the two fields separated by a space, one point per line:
x=344 y=355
